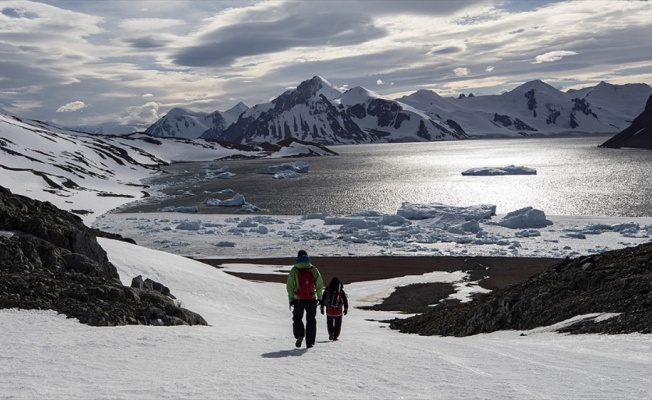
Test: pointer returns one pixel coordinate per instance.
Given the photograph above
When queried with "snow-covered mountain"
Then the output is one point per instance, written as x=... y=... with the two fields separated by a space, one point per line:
x=71 y=168
x=183 y=123
x=305 y=113
x=320 y=112
x=536 y=108
x=388 y=120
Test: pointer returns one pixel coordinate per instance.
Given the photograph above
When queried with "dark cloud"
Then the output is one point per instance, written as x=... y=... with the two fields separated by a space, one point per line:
x=446 y=50
x=222 y=46
x=146 y=42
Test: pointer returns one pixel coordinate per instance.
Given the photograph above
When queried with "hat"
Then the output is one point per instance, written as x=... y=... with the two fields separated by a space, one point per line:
x=302 y=253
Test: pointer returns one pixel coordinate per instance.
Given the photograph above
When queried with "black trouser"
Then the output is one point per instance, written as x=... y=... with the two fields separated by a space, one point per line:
x=334 y=325
x=310 y=331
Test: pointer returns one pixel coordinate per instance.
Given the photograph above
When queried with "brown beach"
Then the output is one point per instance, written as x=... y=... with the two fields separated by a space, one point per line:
x=492 y=272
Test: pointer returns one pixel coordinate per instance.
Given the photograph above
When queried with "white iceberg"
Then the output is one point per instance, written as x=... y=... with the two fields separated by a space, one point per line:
x=508 y=170
x=436 y=210
x=286 y=175
x=236 y=201
x=524 y=218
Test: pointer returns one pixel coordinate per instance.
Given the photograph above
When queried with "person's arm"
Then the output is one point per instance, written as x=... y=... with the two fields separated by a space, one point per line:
x=345 y=300
x=291 y=284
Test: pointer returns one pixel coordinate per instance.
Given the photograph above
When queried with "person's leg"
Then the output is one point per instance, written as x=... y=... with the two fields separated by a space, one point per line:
x=297 y=322
x=337 y=328
x=329 y=326
x=311 y=322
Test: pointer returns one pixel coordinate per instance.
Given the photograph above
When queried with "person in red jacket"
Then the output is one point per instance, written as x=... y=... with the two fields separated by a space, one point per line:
x=336 y=304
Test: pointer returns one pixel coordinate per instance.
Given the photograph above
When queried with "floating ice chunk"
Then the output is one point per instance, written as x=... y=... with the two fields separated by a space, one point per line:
x=225 y=175
x=528 y=233
x=508 y=170
x=190 y=225
x=286 y=175
x=224 y=244
x=394 y=220
x=437 y=210
x=249 y=208
x=262 y=229
x=322 y=216
x=296 y=166
x=471 y=226
x=235 y=201
x=181 y=209
x=247 y=223
x=523 y=218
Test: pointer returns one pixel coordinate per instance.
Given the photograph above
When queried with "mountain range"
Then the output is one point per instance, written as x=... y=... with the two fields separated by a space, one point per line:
x=317 y=111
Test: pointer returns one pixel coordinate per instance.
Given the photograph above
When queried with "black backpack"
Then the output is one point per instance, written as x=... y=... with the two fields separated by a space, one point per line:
x=334 y=298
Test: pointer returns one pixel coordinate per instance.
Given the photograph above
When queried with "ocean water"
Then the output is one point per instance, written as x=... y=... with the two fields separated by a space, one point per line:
x=574 y=177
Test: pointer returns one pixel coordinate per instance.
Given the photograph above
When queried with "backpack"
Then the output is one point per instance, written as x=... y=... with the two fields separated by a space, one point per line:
x=335 y=297
x=305 y=284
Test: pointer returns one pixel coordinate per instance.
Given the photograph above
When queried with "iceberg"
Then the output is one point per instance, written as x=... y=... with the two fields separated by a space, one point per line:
x=508 y=170
x=300 y=167
x=436 y=210
x=236 y=201
x=524 y=218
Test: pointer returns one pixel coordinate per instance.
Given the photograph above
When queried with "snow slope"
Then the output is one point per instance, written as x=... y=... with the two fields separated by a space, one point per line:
x=248 y=350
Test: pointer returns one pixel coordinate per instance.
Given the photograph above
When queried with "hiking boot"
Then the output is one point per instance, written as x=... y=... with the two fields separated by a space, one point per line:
x=298 y=342
x=330 y=337
x=308 y=346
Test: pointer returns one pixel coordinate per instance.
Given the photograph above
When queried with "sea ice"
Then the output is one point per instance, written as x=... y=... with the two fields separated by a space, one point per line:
x=437 y=210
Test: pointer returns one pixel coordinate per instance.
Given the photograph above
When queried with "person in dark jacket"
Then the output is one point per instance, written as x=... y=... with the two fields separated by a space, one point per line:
x=336 y=304
x=304 y=287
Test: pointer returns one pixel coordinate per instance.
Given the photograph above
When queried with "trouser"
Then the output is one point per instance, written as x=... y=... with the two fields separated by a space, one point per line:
x=310 y=330
x=334 y=326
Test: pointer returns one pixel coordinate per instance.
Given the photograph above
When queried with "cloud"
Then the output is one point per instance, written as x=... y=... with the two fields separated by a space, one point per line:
x=461 y=71
x=254 y=32
x=552 y=56
x=72 y=106
x=489 y=68
x=148 y=95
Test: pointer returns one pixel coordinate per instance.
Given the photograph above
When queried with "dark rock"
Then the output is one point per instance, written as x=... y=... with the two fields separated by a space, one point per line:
x=638 y=135
x=617 y=282
x=51 y=261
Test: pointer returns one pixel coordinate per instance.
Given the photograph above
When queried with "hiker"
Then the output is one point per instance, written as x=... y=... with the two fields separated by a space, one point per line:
x=304 y=288
x=337 y=305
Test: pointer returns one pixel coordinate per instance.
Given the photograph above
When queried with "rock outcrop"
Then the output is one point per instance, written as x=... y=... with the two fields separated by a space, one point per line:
x=637 y=135
x=50 y=260
x=614 y=282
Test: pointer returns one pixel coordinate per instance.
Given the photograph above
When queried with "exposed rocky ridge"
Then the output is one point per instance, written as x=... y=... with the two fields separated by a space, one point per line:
x=618 y=281
x=637 y=135
x=50 y=260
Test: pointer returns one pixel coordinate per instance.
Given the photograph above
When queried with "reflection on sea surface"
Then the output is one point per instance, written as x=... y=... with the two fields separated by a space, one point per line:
x=574 y=177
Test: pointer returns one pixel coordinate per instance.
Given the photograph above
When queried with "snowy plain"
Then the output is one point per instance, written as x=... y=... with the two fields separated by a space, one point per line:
x=247 y=351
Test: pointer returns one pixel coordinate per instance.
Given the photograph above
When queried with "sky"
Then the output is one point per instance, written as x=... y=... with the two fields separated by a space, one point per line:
x=129 y=62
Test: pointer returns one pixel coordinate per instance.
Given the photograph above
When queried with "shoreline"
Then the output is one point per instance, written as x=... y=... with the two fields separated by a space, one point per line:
x=492 y=272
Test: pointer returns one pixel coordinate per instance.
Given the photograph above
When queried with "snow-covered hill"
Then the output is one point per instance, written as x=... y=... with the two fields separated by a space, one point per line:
x=70 y=169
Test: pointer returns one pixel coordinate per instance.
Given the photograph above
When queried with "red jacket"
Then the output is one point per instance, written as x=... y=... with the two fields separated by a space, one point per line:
x=342 y=303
